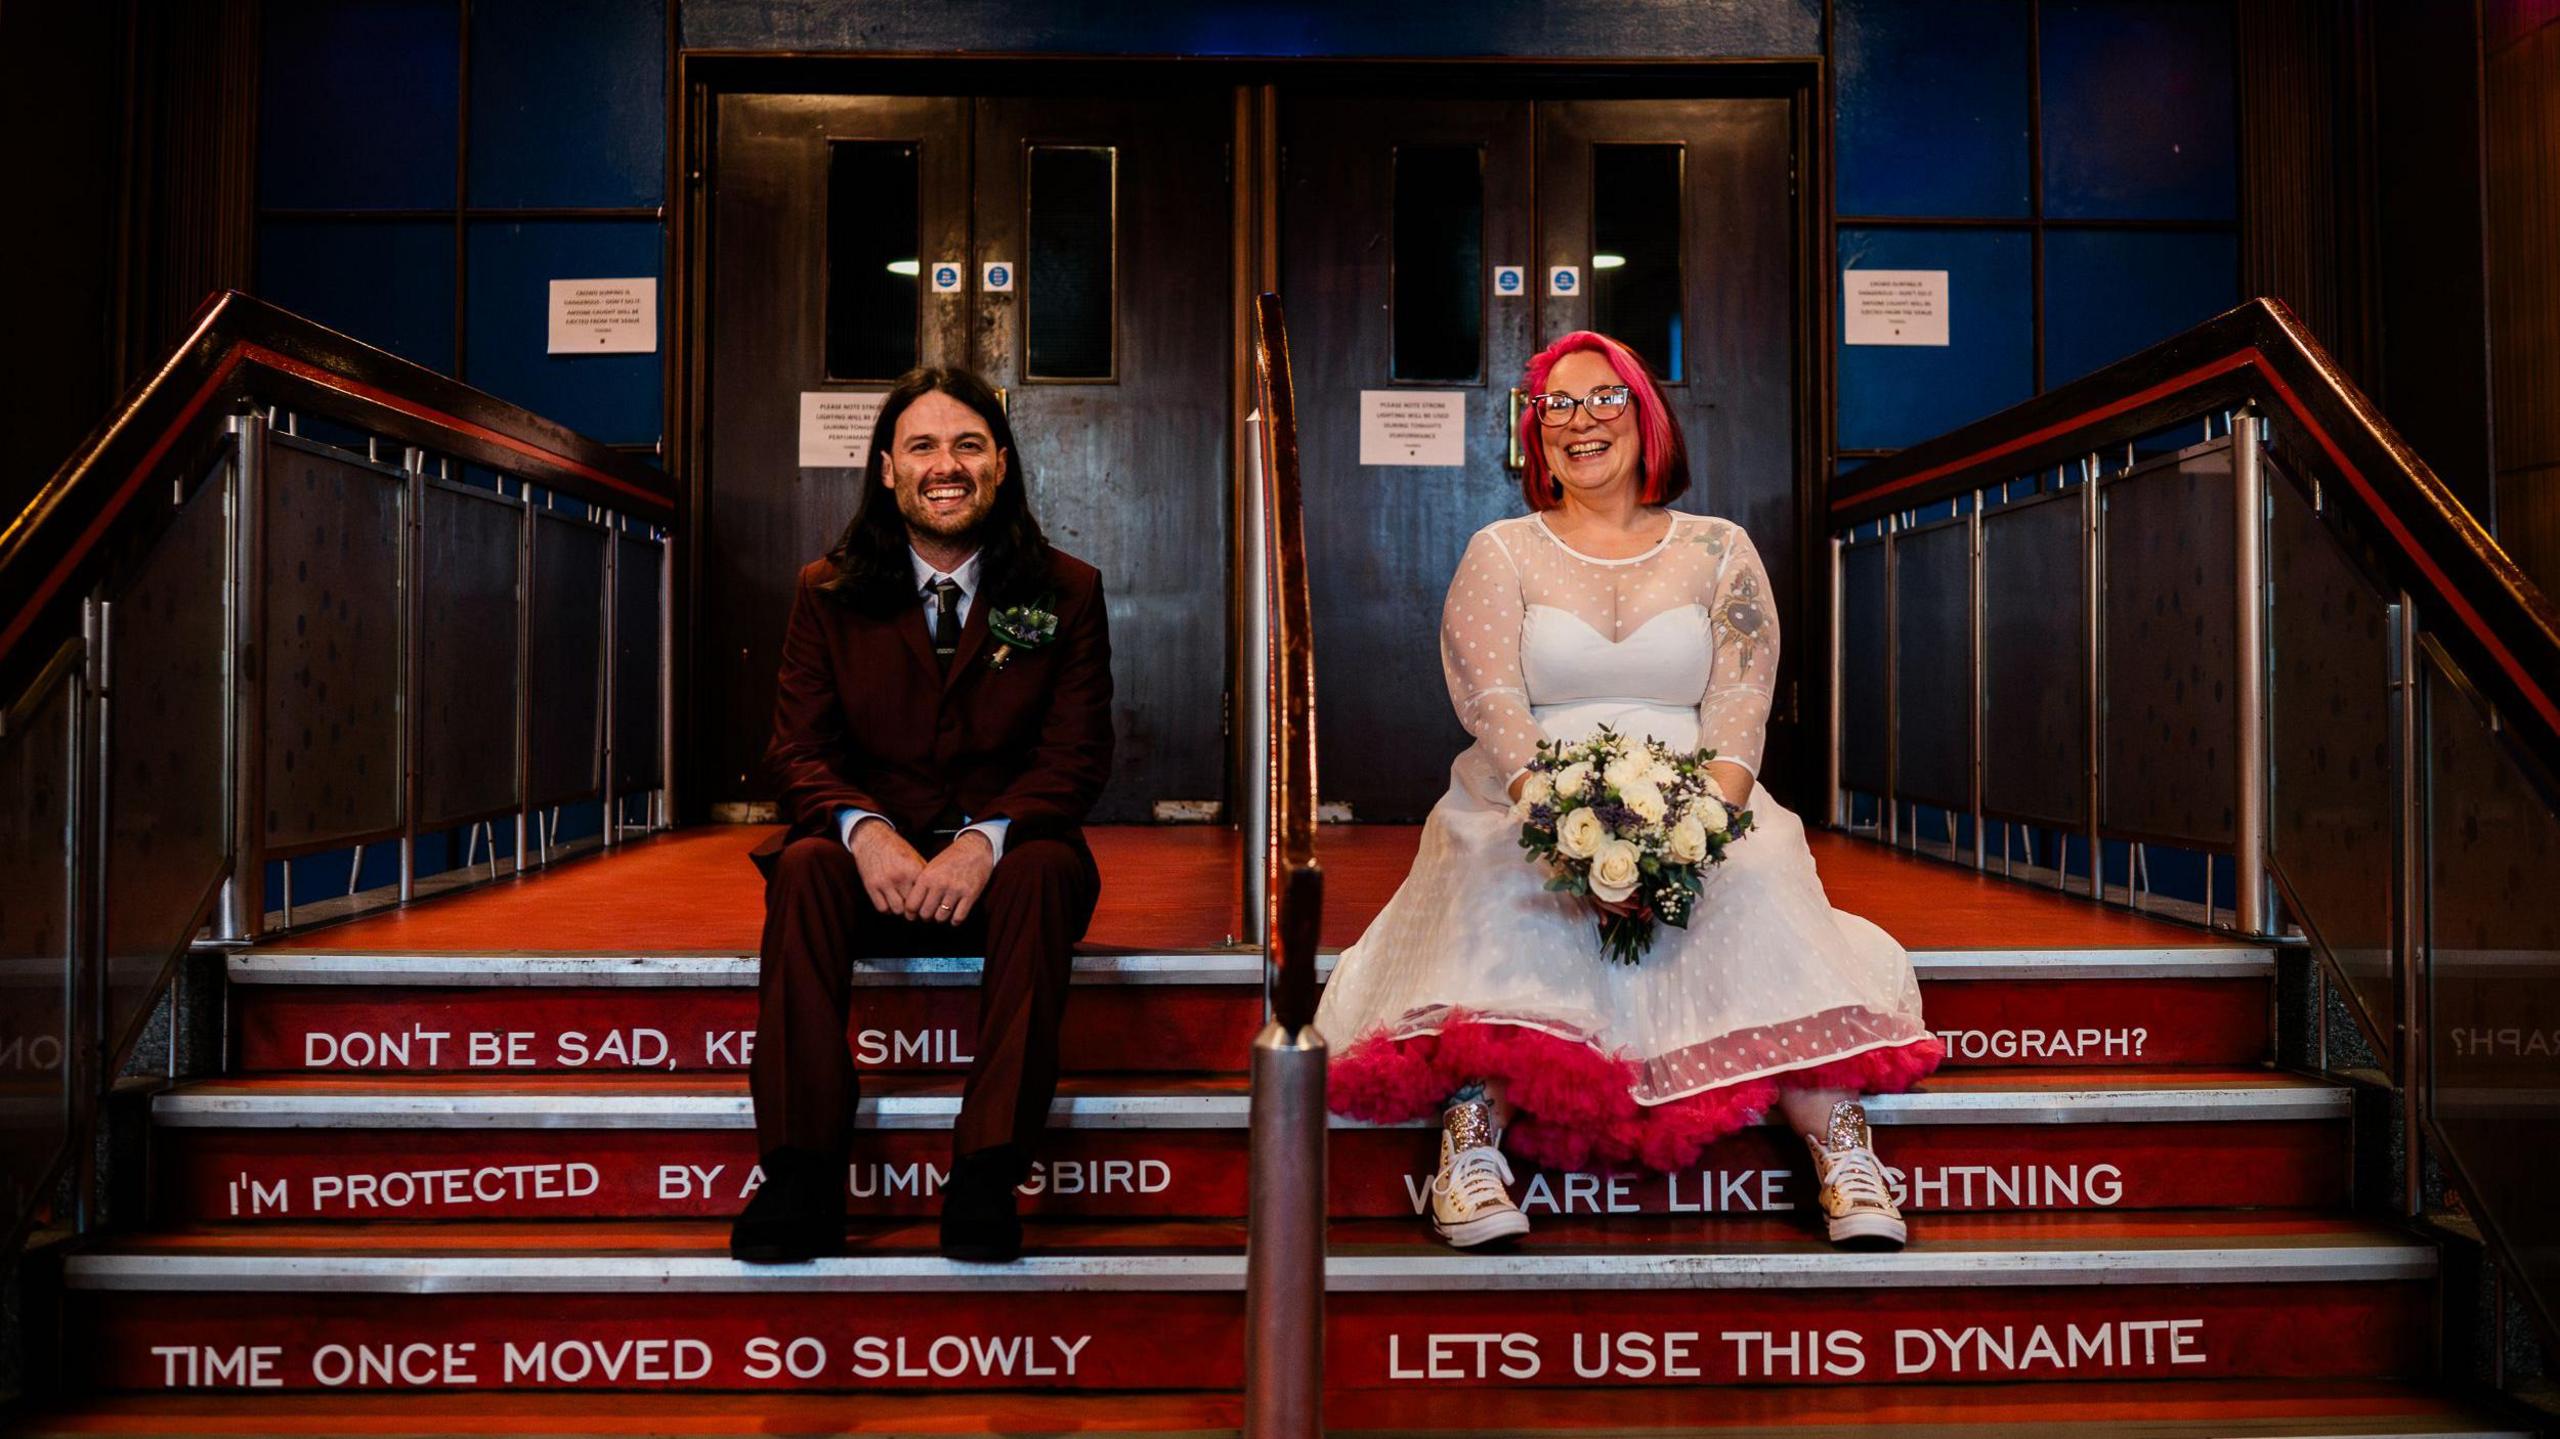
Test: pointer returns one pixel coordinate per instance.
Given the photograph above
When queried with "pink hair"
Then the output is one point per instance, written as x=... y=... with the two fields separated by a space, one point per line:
x=1666 y=455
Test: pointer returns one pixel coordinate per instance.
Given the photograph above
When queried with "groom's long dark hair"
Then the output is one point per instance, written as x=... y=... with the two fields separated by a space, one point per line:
x=873 y=573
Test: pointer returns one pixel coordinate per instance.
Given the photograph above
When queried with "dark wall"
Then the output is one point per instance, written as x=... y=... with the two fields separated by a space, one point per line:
x=61 y=88
x=2521 y=76
x=1541 y=29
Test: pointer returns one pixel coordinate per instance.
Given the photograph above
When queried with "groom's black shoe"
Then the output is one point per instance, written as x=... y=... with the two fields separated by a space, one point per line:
x=797 y=1215
x=979 y=1225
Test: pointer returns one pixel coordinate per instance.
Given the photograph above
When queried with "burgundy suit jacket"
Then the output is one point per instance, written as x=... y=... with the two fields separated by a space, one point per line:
x=865 y=716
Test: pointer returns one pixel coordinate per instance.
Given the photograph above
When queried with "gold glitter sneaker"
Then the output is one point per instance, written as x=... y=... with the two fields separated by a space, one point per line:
x=1857 y=1204
x=1470 y=1203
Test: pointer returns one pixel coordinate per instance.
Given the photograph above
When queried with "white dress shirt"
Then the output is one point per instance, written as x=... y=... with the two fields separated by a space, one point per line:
x=965 y=575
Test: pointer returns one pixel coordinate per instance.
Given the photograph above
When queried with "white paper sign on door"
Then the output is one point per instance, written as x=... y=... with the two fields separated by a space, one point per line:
x=604 y=317
x=835 y=428
x=1413 y=427
x=1894 y=307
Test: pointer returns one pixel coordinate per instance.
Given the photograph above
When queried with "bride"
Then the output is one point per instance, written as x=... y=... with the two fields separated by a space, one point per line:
x=1482 y=997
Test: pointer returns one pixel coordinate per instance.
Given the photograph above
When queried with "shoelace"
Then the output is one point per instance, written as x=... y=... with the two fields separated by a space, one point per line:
x=1857 y=1177
x=1475 y=1178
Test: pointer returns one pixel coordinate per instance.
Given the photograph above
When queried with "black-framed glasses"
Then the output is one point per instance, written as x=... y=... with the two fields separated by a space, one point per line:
x=1605 y=403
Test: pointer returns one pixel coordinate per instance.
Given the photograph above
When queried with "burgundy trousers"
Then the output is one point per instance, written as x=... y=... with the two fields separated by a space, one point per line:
x=818 y=921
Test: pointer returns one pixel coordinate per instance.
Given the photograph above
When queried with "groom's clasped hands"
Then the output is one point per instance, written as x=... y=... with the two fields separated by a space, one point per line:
x=904 y=883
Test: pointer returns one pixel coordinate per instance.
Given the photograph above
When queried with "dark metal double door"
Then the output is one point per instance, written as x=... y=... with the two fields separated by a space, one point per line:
x=851 y=237
x=1676 y=220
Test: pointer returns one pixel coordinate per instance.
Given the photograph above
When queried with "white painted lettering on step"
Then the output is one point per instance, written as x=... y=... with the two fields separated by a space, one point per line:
x=31 y=1054
x=2125 y=1345
x=500 y=1049
x=385 y=1366
x=802 y=1358
x=2083 y=1043
x=618 y=1361
x=890 y=1181
x=359 y=1193
x=236 y=1366
x=910 y=1047
x=390 y=1049
x=1636 y=1355
x=1796 y=1353
x=687 y=1181
x=620 y=1048
x=728 y=1046
x=1465 y=1356
x=967 y=1356
x=2007 y=1186
x=1064 y=1177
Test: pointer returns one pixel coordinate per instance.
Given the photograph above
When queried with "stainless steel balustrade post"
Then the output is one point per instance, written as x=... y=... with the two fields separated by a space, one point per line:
x=2412 y=951
x=413 y=620
x=1891 y=820
x=1284 y=1252
x=612 y=626
x=1975 y=713
x=1840 y=815
x=240 y=916
x=2253 y=903
x=2093 y=521
x=85 y=1005
x=1253 y=702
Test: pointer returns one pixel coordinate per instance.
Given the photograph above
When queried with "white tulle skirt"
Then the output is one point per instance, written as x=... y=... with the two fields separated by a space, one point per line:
x=1473 y=971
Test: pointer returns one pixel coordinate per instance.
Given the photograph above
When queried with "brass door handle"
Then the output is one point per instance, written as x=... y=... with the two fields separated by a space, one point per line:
x=1513 y=458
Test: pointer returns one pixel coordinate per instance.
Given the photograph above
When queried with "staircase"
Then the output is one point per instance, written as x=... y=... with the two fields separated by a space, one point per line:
x=470 y=1168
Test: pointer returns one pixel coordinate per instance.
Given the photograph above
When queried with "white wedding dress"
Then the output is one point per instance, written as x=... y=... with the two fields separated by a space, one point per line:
x=1473 y=971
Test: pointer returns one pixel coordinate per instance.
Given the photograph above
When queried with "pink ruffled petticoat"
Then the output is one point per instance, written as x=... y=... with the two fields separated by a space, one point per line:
x=1574 y=1106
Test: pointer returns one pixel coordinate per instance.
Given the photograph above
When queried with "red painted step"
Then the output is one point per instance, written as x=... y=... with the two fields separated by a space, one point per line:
x=1165 y=1013
x=552 y=1147
x=2093 y=1410
x=480 y=1306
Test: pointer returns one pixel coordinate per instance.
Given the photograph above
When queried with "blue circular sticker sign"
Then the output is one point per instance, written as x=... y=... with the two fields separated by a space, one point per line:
x=1508 y=281
x=945 y=276
x=999 y=277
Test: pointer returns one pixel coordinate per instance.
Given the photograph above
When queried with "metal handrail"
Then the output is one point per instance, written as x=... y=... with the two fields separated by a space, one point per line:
x=2456 y=605
x=2506 y=629
x=173 y=477
x=239 y=351
x=1284 y=1360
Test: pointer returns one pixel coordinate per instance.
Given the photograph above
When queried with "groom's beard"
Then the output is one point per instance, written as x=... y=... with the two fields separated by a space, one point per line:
x=957 y=523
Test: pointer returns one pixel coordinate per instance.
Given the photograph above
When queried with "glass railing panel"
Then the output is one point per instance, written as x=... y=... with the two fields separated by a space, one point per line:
x=36 y=788
x=1863 y=679
x=2035 y=742
x=468 y=653
x=2169 y=745
x=1933 y=665
x=638 y=575
x=2329 y=736
x=2493 y=999
x=565 y=734
x=166 y=842
x=331 y=672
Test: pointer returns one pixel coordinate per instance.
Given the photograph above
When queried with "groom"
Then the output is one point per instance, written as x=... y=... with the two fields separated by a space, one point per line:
x=941 y=724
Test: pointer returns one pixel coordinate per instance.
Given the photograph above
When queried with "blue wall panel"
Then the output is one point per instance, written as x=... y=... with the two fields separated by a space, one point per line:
x=358 y=104
x=568 y=102
x=2138 y=110
x=386 y=282
x=1932 y=106
x=1895 y=395
x=2108 y=293
x=613 y=398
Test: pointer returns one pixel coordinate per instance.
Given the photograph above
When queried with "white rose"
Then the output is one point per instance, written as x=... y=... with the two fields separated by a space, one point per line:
x=1572 y=780
x=1688 y=841
x=1580 y=834
x=1663 y=775
x=1614 y=871
x=1645 y=800
x=1626 y=770
x=1711 y=813
x=1537 y=789
x=1520 y=811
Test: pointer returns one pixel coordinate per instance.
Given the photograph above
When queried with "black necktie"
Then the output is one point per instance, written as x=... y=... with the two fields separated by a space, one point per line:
x=946 y=620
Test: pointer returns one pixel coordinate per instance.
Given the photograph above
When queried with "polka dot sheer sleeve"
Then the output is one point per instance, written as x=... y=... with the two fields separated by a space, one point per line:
x=1480 y=654
x=1733 y=717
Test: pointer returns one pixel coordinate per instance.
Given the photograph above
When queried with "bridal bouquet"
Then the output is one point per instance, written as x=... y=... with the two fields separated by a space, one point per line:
x=1621 y=820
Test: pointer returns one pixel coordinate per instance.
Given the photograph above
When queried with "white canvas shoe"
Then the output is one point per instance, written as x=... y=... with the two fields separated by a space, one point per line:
x=1470 y=1199
x=1857 y=1204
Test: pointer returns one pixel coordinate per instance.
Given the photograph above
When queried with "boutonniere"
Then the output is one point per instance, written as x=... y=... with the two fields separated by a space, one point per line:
x=1025 y=627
